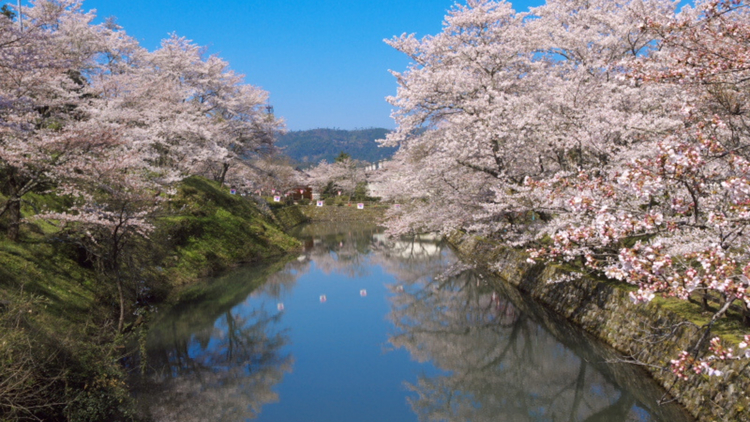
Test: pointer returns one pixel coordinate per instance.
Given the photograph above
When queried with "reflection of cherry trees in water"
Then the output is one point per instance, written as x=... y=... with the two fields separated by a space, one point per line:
x=284 y=280
x=225 y=371
x=352 y=251
x=218 y=361
x=334 y=250
x=410 y=260
x=501 y=364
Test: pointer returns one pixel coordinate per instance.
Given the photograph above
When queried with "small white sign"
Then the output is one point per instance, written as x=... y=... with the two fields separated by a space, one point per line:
x=360 y=206
x=320 y=203
x=277 y=198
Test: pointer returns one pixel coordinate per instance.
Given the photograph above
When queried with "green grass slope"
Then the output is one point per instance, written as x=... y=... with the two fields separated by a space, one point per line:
x=60 y=355
x=211 y=230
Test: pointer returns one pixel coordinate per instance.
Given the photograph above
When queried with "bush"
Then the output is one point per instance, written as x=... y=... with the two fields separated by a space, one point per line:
x=51 y=376
x=181 y=230
x=276 y=205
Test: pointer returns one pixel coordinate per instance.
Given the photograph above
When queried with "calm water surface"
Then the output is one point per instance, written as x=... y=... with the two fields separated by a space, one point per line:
x=361 y=329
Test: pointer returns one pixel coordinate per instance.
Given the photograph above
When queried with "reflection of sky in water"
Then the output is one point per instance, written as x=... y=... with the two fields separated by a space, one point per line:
x=442 y=348
x=344 y=369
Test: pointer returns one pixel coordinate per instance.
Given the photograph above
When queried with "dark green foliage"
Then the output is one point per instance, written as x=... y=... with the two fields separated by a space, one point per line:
x=276 y=205
x=7 y=11
x=342 y=157
x=360 y=192
x=56 y=375
x=329 y=189
x=308 y=147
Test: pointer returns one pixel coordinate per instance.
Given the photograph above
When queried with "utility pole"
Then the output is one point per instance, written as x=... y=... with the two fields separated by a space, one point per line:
x=20 y=17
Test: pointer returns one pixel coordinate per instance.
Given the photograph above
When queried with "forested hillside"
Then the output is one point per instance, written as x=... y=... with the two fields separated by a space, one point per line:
x=308 y=147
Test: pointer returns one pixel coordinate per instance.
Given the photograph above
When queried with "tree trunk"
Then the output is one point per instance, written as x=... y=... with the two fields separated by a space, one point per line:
x=121 y=321
x=224 y=169
x=14 y=210
x=114 y=262
x=14 y=217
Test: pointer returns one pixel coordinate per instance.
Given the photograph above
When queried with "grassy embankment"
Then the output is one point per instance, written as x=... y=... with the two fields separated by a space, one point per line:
x=59 y=350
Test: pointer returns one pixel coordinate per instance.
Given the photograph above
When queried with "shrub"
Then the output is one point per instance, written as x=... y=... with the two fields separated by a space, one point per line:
x=51 y=376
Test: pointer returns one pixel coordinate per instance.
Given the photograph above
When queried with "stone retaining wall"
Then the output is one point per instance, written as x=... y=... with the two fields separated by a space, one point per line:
x=648 y=332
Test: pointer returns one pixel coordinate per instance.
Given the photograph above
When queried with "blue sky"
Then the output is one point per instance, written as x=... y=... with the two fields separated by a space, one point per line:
x=323 y=62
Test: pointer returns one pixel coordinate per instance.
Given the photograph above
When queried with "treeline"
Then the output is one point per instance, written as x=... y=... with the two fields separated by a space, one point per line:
x=608 y=136
x=309 y=147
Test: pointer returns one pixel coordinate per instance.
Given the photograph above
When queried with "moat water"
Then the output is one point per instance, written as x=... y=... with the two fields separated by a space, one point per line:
x=360 y=328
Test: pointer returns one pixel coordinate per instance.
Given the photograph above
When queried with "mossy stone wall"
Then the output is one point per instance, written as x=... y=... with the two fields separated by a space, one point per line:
x=649 y=332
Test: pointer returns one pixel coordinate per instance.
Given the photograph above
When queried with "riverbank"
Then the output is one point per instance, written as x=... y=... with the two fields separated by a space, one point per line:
x=371 y=213
x=60 y=350
x=652 y=333
x=294 y=215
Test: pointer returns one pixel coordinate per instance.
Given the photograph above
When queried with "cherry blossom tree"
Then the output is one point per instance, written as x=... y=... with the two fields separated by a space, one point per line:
x=500 y=98
x=673 y=218
x=224 y=122
x=115 y=212
x=88 y=113
x=43 y=100
x=60 y=133
x=343 y=174
x=609 y=133
x=268 y=172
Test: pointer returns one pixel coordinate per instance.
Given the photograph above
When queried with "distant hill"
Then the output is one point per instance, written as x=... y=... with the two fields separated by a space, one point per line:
x=308 y=147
